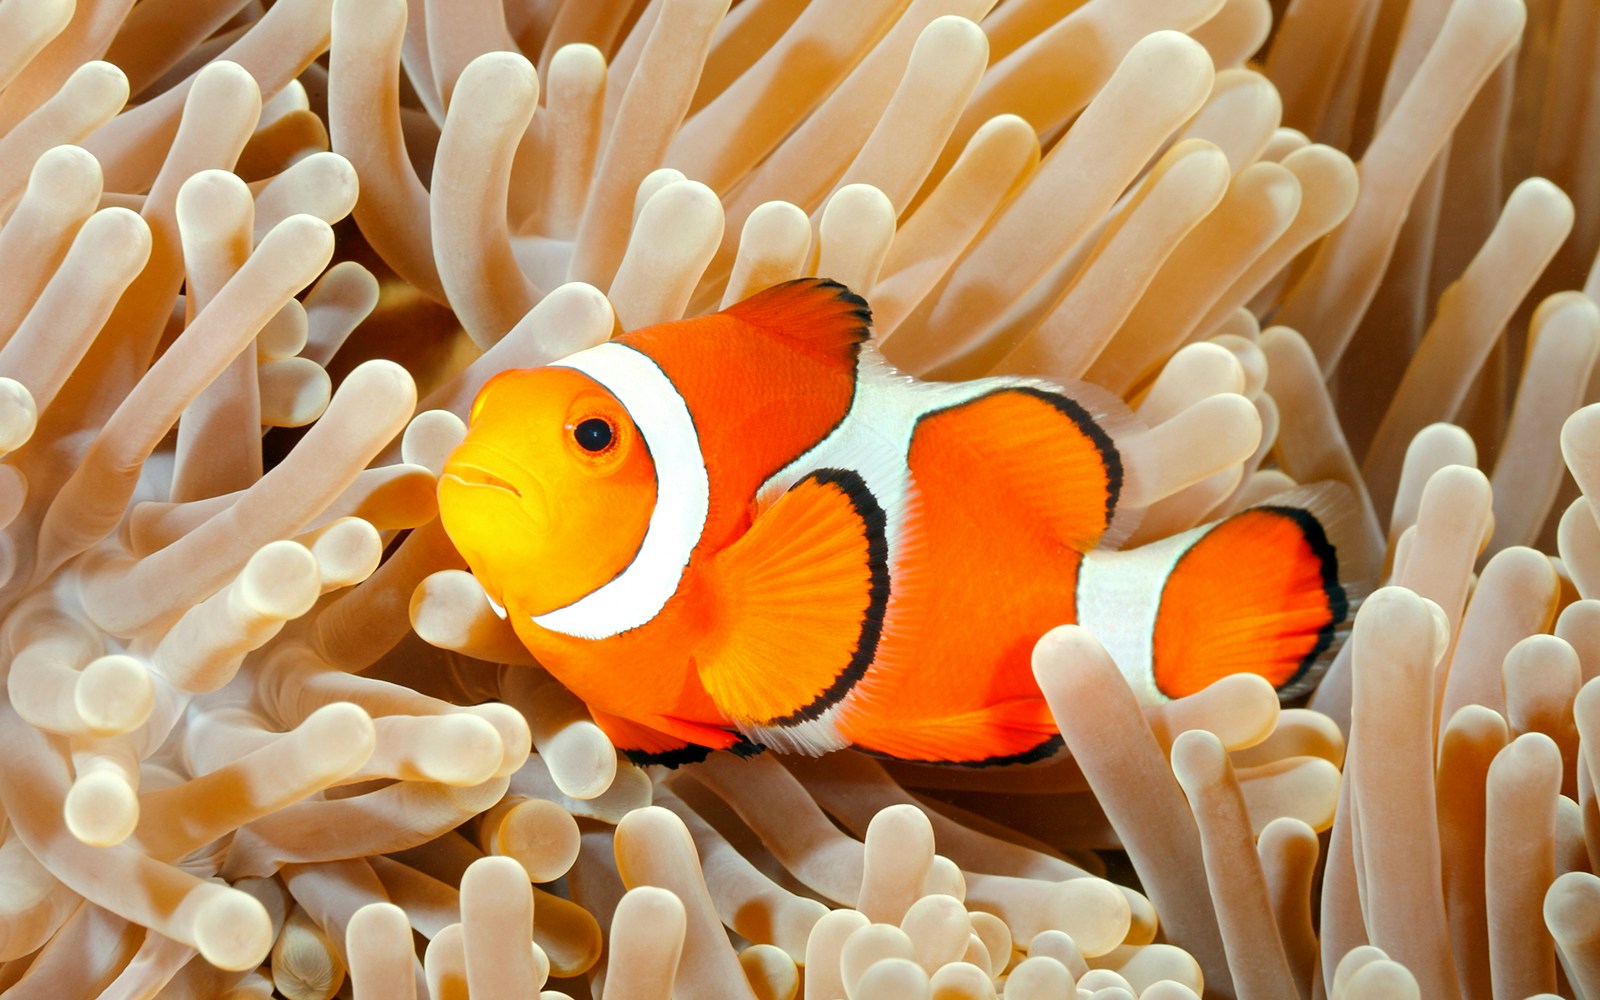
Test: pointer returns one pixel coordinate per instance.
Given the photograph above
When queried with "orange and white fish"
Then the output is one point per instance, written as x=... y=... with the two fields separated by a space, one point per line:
x=747 y=529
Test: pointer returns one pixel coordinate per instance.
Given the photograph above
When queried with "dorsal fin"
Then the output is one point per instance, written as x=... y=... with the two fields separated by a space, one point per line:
x=763 y=381
x=818 y=316
x=1040 y=454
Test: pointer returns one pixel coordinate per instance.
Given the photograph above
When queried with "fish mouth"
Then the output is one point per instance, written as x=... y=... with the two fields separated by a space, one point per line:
x=481 y=474
x=472 y=475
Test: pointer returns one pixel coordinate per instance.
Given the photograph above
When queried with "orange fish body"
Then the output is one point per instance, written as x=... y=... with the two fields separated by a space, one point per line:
x=747 y=529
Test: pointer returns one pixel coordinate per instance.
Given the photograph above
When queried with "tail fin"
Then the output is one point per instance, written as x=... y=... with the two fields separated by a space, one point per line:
x=1269 y=590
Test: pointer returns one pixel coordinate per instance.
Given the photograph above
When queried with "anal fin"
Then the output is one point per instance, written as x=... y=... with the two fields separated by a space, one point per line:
x=1014 y=731
x=799 y=603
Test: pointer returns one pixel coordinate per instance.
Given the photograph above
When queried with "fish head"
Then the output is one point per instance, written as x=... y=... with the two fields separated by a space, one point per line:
x=550 y=494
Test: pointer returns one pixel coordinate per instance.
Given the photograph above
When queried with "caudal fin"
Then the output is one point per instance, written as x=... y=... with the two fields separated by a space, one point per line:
x=1269 y=590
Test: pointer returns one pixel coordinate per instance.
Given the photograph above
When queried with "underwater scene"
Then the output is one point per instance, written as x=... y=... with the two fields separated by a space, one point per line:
x=800 y=499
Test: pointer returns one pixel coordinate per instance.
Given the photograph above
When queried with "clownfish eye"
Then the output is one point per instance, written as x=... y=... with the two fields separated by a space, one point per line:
x=594 y=435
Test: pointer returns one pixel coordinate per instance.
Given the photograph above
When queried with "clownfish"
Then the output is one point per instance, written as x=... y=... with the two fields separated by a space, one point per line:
x=748 y=530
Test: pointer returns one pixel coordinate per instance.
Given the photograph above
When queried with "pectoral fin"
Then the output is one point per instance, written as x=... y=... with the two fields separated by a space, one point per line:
x=800 y=601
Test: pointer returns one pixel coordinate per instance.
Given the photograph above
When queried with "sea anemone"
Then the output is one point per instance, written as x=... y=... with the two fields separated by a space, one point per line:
x=264 y=735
